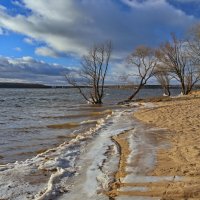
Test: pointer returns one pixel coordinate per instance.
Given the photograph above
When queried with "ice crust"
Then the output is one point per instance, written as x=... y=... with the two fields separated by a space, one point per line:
x=83 y=157
x=60 y=162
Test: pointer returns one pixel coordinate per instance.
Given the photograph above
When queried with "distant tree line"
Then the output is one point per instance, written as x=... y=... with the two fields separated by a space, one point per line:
x=176 y=59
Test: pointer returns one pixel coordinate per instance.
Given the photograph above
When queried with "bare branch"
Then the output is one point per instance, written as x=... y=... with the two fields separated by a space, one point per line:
x=181 y=62
x=144 y=60
x=93 y=72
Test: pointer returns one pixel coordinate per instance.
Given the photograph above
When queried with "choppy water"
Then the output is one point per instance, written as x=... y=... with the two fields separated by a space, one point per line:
x=33 y=120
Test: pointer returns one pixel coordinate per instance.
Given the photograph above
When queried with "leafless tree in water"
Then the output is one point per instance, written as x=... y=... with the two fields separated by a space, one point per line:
x=94 y=67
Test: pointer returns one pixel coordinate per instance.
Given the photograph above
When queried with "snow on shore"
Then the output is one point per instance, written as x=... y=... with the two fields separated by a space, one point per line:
x=100 y=161
x=47 y=175
x=79 y=169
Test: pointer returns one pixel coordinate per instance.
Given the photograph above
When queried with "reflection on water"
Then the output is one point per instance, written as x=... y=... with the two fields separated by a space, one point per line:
x=33 y=120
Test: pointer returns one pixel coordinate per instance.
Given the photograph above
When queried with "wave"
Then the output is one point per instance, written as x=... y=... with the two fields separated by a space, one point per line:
x=90 y=114
x=105 y=112
x=70 y=125
x=63 y=126
x=60 y=160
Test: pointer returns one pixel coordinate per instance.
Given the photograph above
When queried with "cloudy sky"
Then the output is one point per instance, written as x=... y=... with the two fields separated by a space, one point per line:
x=41 y=40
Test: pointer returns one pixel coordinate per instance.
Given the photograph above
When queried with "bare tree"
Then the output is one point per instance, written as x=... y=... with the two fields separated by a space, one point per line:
x=176 y=58
x=194 y=41
x=194 y=53
x=94 y=67
x=162 y=75
x=144 y=60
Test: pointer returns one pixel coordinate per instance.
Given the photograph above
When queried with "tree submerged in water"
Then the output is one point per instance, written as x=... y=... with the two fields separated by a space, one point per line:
x=90 y=80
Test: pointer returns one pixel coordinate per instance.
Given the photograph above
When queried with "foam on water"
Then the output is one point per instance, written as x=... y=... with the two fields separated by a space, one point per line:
x=100 y=161
x=59 y=162
x=88 y=149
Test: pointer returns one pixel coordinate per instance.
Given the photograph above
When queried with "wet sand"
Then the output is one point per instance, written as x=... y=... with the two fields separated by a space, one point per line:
x=138 y=148
x=160 y=158
x=182 y=159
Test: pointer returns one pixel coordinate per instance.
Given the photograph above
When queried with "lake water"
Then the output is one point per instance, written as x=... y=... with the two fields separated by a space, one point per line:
x=34 y=120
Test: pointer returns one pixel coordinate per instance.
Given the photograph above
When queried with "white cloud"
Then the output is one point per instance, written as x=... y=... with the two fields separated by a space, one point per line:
x=12 y=80
x=70 y=26
x=45 y=51
x=18 y=49
x=26 y=59
x=143 y=4
x=3 y=8
x=188 y=1
x=29 y=41
x=1 y=31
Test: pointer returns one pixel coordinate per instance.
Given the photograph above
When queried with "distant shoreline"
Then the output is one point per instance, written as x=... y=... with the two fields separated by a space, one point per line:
x=42 y=86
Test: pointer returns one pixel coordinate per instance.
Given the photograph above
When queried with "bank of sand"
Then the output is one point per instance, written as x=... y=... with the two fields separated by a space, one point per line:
x=176 y=171
x=182 y=118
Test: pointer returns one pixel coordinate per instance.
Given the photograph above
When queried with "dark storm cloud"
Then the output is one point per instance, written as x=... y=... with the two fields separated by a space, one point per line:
x=31 y=70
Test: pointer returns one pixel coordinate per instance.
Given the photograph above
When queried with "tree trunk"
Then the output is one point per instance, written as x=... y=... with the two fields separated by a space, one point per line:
x=167 y=90
x=135 y=93
x=183 y=90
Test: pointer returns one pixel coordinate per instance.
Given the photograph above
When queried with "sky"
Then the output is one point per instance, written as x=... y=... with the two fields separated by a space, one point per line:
x=42 y=40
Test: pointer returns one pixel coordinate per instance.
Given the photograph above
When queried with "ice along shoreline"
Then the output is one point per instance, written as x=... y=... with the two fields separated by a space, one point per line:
x=85 y=166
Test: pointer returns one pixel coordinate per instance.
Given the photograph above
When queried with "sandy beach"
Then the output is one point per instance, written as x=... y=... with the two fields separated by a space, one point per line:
x=171 y=128
x=182 y=159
